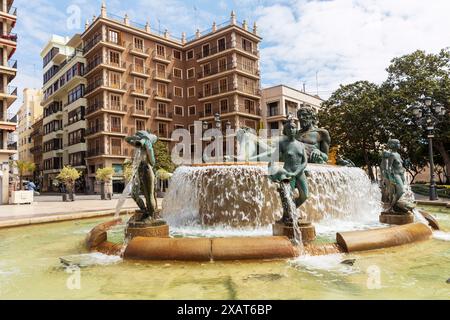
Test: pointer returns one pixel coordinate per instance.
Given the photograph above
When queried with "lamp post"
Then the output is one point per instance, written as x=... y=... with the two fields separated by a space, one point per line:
x=427 y=114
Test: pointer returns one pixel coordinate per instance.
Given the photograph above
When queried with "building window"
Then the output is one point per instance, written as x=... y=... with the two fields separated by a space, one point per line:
x=116 y=124
x=116 y=146
x=273 y=109
x=223 y=85
x=75 y=94
x=162 y=109
x=115 y=101
x=206 y=69
x=140 y=125
x=247 y=45
x=192 y=110
x=177 y=54
x=221 y=44
x=114 y=58
x=139 y=44
x=178 y=92
x=139 y=65
x=207 y=89
x=249 y=106
x=139 y=85
x=161 y=70
x=178 y=73
x=222 y=64
x=191 y=73
x=161 y=50
x=113 y=36
x=224 y=106
x=162 y=130
x=139 y=104
x=191 y=92
x=208 y=108
x=161 y=90
x=114 y=80
x=179 y=110
x=190 y=55
x=205 y=50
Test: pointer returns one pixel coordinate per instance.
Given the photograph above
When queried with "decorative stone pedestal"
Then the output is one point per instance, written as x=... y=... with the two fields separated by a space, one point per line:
x=396 y=219
x=307 y=230
x=149 y=229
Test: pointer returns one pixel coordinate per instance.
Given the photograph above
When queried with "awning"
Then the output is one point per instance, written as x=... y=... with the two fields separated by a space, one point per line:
x=7 y=127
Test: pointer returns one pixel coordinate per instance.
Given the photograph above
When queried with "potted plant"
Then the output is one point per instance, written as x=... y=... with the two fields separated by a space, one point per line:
x=104 y=176
x=162 y=175
x=68 y=176
x=23 y=168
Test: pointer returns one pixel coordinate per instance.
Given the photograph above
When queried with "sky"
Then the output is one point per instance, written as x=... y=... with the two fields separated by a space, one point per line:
x=317 y=43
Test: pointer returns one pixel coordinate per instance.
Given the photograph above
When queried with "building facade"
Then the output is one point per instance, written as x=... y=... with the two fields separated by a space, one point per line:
x=138 y=79
x=279 y=101
x=28 y=113
x=63 y=109
x=8 y=94
x=36 y=135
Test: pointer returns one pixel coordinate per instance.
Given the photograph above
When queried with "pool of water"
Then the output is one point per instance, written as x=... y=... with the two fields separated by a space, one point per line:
x=30 y=269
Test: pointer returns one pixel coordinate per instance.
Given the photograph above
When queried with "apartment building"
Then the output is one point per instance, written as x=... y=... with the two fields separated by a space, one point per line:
x=63 y=108
x=36 y=135
x=140 y=79
x=8 y=94
x=28 y=113
x=279 y=101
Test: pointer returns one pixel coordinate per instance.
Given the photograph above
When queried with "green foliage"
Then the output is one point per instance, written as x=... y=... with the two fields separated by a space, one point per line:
x=23 y=168
x=128 y=170
x=68 y=176
x=163 y=174
x=163 y=158
x=104 y=174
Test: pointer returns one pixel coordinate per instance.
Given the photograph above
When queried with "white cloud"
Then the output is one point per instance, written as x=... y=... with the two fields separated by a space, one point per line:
x=346 y=40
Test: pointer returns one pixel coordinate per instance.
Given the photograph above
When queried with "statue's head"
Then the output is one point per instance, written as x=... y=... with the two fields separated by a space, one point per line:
x=394 y=144
x=290 y=128
x=142 y=139
x=307 y=117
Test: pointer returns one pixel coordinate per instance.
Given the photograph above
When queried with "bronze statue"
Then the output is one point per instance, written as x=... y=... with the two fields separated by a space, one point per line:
x=145 y=182
x=292 y=152
x=394 y=181
x=317 y=140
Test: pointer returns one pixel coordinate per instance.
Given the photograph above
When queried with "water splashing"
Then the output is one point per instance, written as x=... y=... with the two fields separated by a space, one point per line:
x=133 y=180
x=243 y=196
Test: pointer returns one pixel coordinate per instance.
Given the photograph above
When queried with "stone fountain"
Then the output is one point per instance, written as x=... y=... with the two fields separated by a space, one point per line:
x=289 y=194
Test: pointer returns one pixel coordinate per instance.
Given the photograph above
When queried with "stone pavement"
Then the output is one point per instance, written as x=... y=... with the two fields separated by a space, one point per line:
x=51 y=208
x=425 y=200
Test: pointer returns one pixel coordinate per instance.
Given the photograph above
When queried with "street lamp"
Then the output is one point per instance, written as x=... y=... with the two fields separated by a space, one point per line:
x=218 y=121
x=228 y=125
x=427 y=115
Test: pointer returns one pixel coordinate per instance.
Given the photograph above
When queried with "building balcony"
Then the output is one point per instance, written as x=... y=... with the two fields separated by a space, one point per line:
x=105 y=85
x=106 y=129
x=164 y=58
x=213 y=52
x=8 y=119
x=140 y=71
x=9 y=94
x=141 y=113
x=106 y=107
x=140 y=52
x=10 y=69
x=163 y=115
x=162 y=76
x=162 y=96
x=99 y=40
x=102 y=152
x=140 y=92
x=10 y=14
x=8 y=37
x=103 y=63
x=215 y=91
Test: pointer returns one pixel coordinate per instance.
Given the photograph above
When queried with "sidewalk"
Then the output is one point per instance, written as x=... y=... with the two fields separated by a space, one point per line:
x=52 y=208
x=425 y=200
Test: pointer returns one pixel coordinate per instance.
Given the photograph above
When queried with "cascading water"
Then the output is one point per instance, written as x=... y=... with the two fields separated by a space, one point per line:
x=133 y=180
x=243 y=196
x=289 y=204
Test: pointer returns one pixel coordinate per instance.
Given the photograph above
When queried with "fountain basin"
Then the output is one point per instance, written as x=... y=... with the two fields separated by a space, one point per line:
x=383 y=238
x=210 y=249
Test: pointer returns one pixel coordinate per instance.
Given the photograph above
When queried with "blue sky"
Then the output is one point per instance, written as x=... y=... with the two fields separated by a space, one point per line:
x=339 y=40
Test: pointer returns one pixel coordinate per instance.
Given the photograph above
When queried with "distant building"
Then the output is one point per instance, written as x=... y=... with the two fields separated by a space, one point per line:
x=8 y=94
x=36 y=149
x=28 y=113
x=278 y=101
x=63 y=109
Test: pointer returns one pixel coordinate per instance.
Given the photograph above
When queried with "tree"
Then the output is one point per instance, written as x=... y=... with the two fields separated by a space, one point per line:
x=354 y=116
x=163 y=158
x=23 y=168
x=128 y=170
x=68 y=176
x=409 y=78
x=104 y=175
